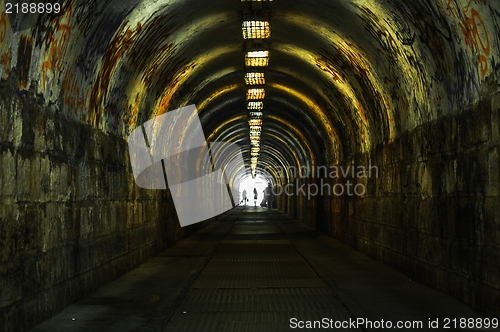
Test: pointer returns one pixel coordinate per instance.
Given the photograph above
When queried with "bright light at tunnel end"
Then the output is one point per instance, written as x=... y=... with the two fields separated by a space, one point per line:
x=155 y=158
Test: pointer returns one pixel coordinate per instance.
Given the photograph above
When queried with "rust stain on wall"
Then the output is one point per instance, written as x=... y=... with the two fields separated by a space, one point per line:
x=159 y=59
x=57 y=44
x=117 y=47
x=130 y=117
x=74 y=97
x=5 y=59
x=5 y=56
x=24 y=59
x=351 y=58
x=3 y=27
x=348 y=60
x=327 y=65
x=151 y=58
x=146 y=49
x=172 y=82
x=361 y=113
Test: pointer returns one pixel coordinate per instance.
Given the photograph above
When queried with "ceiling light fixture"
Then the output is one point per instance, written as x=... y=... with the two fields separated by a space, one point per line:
x=257 y=59
x=255 y=115
x=255 y=105
x=257 y=129
x=256 y=94
x=255 y=122
x=256 y=29
x=255 y=78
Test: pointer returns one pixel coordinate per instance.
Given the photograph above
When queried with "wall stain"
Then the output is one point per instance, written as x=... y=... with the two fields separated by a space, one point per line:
x=87 y=13
x=116 y=49
x=74 y=96
x=375 y=28
x=5 y=59
x=172 y=81
x=24 y=54
x=56 y=43
x=467 y=84
x=97 y=42
x=3 y=26
x=403 y=30
x=327 y=65
x=5 y=51
x=146 y=56
x=158 y=60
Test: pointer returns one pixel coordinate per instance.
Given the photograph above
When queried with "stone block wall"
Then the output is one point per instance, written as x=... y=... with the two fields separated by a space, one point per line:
x=71 y=217
x=433 y=212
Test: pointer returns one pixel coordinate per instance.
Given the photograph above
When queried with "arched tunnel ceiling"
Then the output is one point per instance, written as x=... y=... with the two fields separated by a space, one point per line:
x=343 y=77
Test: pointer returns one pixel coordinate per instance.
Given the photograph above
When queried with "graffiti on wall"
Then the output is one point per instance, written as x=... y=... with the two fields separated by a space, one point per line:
x=87 y=13
x=114 y=52
x=96 y=44
x=378 y=30
x=475 y=33
x=402 y=29
x=74 y=96
x=56 y=45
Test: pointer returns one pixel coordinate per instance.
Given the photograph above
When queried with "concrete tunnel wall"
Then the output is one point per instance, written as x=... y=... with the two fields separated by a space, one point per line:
x=411 y=87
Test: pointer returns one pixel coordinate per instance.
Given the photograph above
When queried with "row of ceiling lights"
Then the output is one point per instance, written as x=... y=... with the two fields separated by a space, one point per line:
x=256 y=60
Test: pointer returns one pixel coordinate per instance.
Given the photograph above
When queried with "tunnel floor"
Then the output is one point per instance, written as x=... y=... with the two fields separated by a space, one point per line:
x=255 y=270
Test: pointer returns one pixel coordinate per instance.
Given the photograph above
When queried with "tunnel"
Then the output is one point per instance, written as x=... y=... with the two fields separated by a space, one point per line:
x=374 y=122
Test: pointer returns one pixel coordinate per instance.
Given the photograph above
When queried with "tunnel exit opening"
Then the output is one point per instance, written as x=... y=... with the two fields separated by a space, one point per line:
x=248 y=184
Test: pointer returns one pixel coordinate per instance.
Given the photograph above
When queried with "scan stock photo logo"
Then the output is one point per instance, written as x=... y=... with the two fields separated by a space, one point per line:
x=171 y=151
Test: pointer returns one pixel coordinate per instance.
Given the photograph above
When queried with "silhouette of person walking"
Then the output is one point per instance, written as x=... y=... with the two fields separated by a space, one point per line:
x=268 y=196
x=255 y=197
x=244 y=196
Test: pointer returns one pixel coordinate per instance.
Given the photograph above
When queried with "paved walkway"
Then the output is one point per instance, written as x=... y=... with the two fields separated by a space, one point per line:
x=254 y=270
